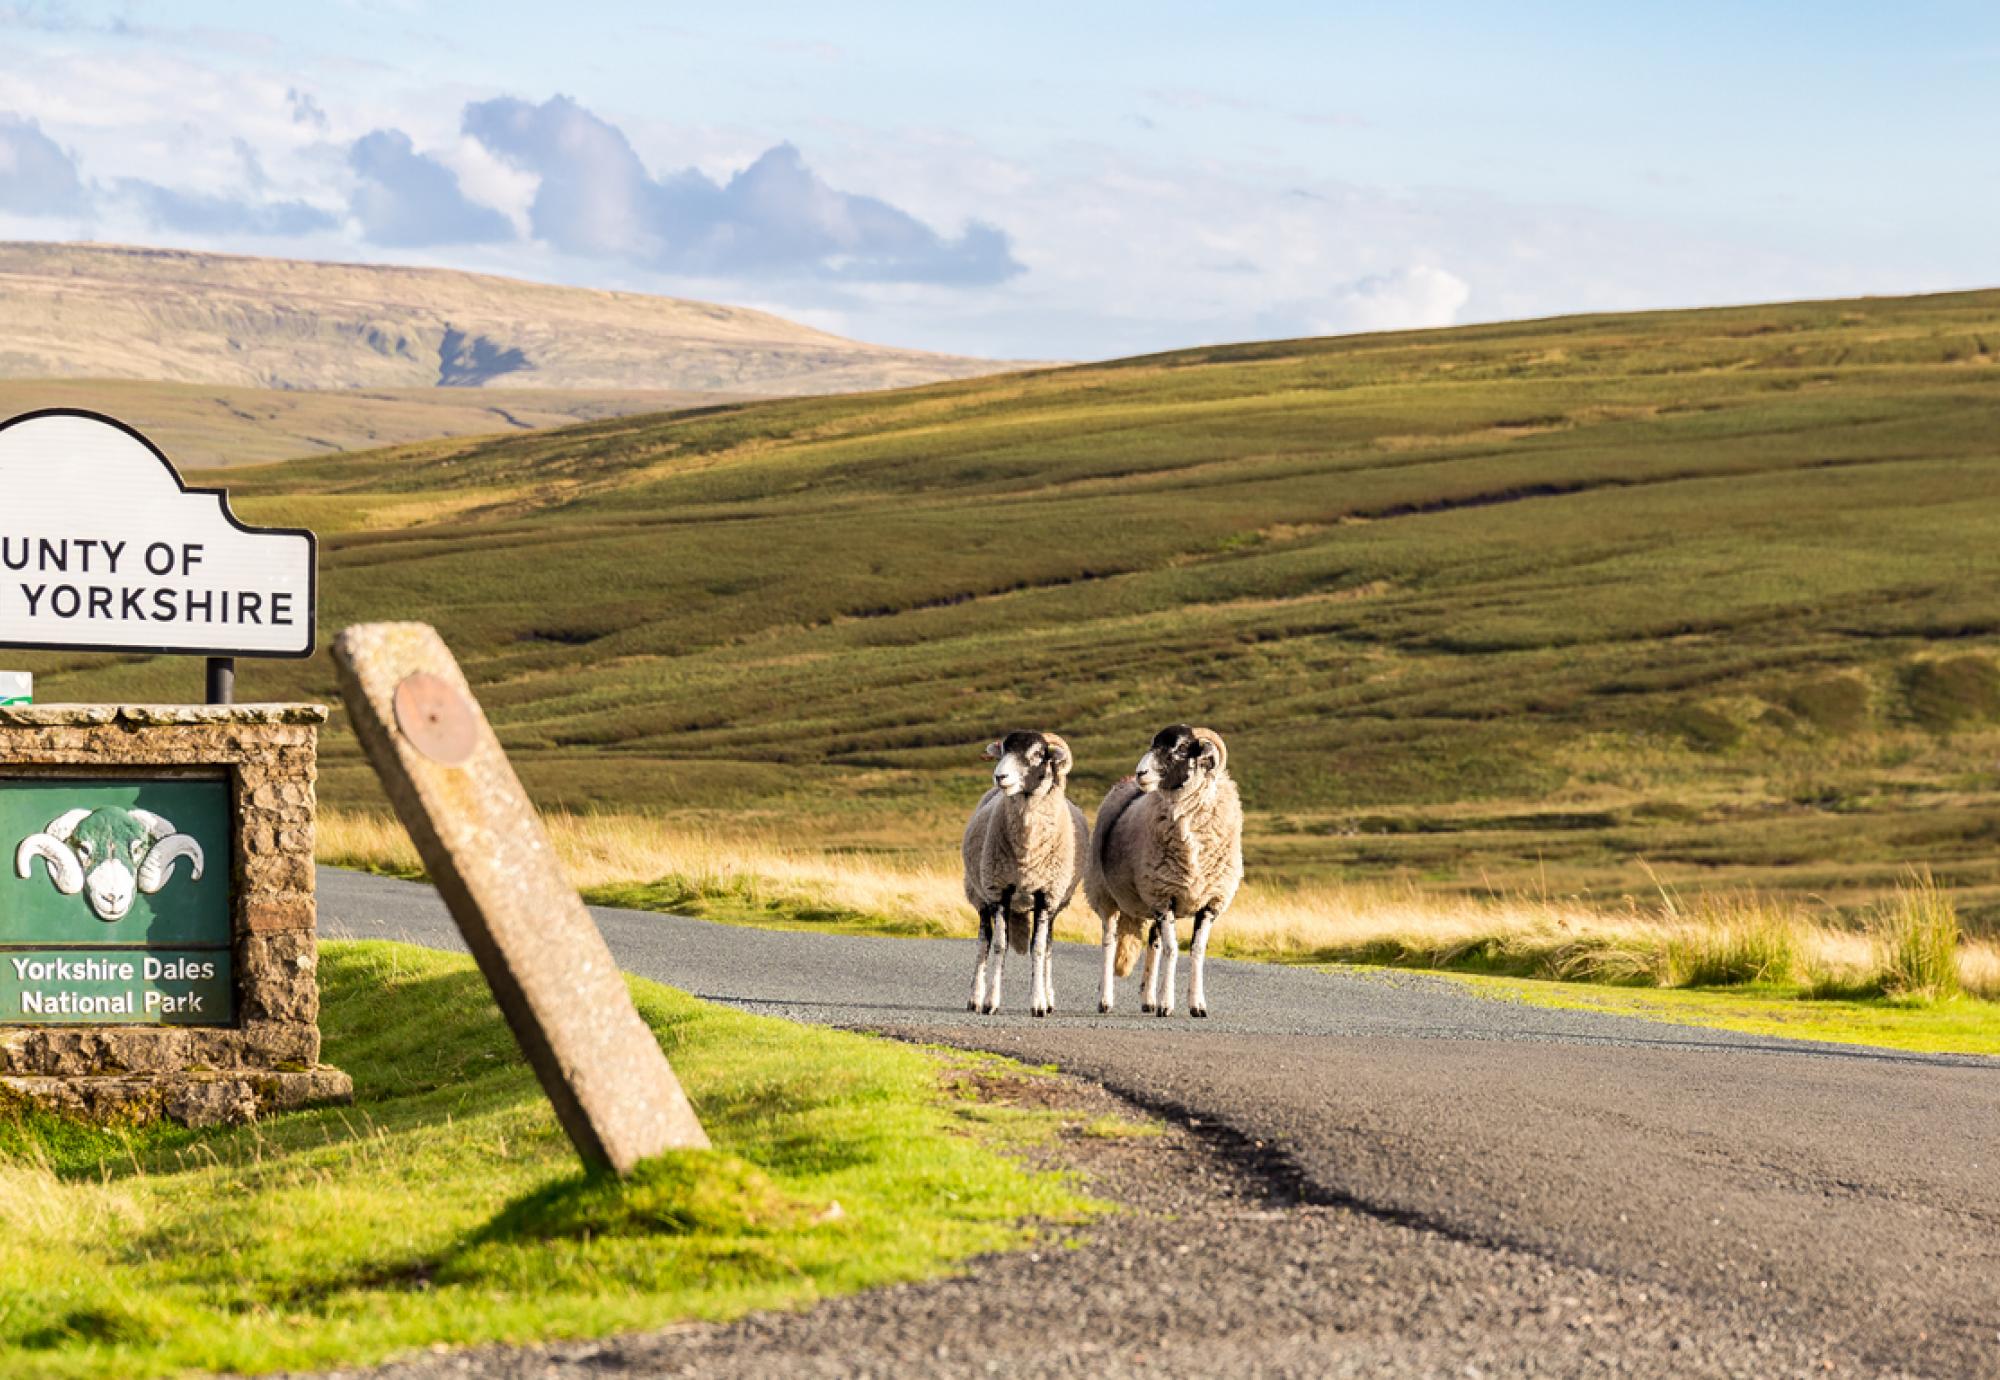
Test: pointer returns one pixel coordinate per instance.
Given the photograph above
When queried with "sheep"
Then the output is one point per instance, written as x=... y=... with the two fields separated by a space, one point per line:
x=1023 y=848
x=111 y=855
x=1168 y=842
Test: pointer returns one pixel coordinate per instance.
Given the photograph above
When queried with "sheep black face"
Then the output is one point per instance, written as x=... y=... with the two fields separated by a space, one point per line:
x=1029 y=763
x=1181 y=758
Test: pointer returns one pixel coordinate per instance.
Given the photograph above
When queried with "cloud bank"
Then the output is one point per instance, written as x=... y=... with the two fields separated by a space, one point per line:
x=206 y=213
x=405 y=199
x=593 y=199
x=596 y=199
x=37 y=177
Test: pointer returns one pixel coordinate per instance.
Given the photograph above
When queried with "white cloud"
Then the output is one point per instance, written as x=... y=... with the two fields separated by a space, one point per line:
x=1409 y=298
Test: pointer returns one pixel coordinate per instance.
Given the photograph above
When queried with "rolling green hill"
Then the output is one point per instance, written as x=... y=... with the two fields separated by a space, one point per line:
x=1509 y=606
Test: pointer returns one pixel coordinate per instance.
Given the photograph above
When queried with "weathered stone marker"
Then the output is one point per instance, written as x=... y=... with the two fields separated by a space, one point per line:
x=489 y=855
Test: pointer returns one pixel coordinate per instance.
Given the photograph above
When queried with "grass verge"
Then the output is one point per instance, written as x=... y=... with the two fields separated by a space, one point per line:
x=445 y=1205
x=1958 y=1025
x=1909 y=945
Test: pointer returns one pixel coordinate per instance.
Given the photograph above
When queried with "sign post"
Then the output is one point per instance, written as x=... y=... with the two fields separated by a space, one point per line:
x=222 y=680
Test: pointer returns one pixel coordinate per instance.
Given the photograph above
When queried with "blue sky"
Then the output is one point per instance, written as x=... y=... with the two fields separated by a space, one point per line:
x=1034 y=180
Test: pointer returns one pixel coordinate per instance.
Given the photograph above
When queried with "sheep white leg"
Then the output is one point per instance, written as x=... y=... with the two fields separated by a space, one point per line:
x=1041 y=1000
x=1152 y=1001
x=1170 y=950
x=978 y=999
x=1000 y=923
x=1204 y=921
x=1002 y=917
x=1104 y=988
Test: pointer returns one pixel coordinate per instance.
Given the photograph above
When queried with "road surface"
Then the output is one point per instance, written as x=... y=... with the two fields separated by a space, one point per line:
x=1463 y=1185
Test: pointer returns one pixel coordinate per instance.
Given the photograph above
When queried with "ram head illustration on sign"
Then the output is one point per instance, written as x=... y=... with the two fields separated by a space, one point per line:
x=111 y=855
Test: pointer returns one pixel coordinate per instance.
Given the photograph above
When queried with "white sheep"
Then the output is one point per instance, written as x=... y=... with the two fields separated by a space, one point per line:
x=1169 y=842
x=1023 y=849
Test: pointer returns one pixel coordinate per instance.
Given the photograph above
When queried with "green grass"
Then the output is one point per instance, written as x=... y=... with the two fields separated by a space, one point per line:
x=1960 y=1025
x=1492 y=607
x=445 y=1206
x=740 y=901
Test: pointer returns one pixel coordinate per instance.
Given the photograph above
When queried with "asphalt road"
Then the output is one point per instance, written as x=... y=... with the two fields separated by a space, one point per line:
x=1469 y=1186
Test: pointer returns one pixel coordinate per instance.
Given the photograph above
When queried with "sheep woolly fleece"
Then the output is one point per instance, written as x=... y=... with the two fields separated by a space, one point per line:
x=1156 y=851
x=1030 y=843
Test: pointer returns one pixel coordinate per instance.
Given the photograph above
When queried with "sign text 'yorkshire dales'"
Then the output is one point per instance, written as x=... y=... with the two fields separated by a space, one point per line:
x=115 y=910
x=102 y=548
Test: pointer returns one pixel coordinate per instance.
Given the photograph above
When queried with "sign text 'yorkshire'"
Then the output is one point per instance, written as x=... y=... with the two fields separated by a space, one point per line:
x=102 y=548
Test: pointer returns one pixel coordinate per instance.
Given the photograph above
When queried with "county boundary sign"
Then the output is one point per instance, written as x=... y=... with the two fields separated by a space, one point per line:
x=104 y=549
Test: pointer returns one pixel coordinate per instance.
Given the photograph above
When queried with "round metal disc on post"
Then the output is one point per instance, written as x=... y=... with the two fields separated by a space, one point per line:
x=436 y=719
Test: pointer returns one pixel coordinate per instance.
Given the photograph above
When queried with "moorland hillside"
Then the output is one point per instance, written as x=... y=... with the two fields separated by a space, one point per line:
x=1504 y=606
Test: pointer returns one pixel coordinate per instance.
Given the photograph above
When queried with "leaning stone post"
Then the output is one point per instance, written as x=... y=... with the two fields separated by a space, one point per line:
x=489 y=855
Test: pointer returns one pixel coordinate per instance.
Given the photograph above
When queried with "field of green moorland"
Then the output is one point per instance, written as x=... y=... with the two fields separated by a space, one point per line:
x=1513 y=608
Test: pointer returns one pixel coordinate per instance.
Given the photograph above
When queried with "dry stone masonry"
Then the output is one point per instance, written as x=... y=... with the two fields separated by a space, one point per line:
x=246 y=1044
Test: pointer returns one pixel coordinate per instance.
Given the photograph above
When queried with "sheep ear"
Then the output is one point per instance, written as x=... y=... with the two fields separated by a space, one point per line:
x=992 y=753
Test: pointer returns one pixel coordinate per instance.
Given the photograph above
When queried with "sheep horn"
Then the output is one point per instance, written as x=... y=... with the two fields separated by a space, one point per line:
x=1061 y=748
x=153 y=824
x=1214 y=740
x=160 y=860
x=64 y=869
x=63 y=825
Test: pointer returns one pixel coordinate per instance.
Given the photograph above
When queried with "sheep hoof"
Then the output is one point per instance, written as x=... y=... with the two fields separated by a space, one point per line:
x=1148 y=1008
x=1104 y=1008
x=1198 y=1012
x=971 y=1005
x=1164 y=1011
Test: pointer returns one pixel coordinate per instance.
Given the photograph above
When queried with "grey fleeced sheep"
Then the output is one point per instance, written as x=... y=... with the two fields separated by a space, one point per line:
x=1023 y=851
x=1168 y=843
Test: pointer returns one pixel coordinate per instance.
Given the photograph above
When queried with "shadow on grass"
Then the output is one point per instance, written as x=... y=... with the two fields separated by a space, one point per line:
x=731 y=1205
x=109 y=1324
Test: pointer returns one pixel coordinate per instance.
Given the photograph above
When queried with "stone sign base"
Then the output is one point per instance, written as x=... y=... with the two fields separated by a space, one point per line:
x=267 y=1058
x=192 y=1099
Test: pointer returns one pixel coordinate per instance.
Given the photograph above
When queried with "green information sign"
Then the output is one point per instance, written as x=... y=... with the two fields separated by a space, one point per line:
x=115 y=910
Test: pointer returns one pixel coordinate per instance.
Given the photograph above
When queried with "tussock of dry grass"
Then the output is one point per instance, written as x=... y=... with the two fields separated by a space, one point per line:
x=1920 y=941
x=1913 y=947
